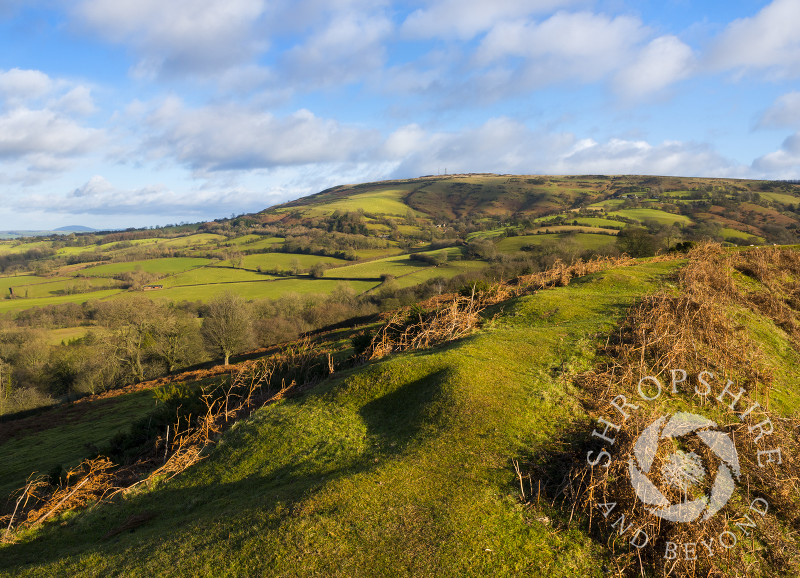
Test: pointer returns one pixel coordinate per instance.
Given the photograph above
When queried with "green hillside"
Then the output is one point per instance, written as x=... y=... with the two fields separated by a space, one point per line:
x=444 y=348
x=408 y=465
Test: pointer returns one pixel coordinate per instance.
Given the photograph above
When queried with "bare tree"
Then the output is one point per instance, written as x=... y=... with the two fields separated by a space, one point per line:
x=227 y=328
x=177 y=340
x=132 y=321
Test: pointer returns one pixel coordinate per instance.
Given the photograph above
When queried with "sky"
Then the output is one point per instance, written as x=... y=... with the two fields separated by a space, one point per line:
x=120 y=113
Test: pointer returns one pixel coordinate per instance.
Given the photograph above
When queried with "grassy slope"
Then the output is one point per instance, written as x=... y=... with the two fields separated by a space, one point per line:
x=399 y=467
x=65 y=444
x=585 y=240
x=164 y=266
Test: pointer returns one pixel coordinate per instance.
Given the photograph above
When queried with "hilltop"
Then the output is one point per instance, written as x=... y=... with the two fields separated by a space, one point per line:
x=730 y=210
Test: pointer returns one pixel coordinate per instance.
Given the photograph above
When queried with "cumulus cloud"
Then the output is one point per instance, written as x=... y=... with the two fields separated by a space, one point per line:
x=236 y=137
x=783 y=163
x=621 y=156
x=499 y=145
x=582 y=45
x=661 y=63
x=17 y=86
x=464 y=19
x=183 y=36
x=77 y=101
x=506 y=146
x=25 y=132
x=347 y=48
x=767 y=42
x=98 y=196
x=785 y=111
x=39 y=134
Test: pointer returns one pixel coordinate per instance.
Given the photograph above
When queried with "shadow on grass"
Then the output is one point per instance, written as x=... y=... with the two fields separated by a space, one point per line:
x=184 y=512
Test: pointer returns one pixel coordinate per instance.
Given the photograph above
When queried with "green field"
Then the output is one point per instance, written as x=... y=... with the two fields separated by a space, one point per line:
x=20 y=246
x=193 y=240
x=728 y=233
x=284 y=261
x=661 y=217
x=587 y=221
x=448 y=271
x=211 y=275
x=271 y=289
x=18 y=281
x=678 y=194
x=577 y=229
x=63 y=286
x=378 y=253
x=490 y=234
x=256 y=242
x=396 y=266
x=781 y=198
x=162 y=266
x=378 y=228
x=608 y=204
x=65 y=444
x=585 y=240
x=380 y=202
x=13 y=305
x=67 y=251
x=56 y=336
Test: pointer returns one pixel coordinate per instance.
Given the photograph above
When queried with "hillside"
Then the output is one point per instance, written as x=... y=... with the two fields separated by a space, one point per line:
x=432 y=357
x=470 y=458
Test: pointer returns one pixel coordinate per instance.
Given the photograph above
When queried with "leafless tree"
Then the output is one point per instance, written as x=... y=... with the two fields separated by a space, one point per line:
x=227 y=328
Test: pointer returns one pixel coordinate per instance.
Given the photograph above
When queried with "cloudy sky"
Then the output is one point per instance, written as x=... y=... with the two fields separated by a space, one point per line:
x=117 y=113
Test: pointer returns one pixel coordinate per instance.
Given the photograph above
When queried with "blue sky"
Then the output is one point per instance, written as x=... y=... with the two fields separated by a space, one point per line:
x=115 y=113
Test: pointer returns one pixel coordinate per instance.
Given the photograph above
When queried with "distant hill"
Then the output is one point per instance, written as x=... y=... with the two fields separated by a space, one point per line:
x=17 y=233
x=76 y=229
x=728 y=210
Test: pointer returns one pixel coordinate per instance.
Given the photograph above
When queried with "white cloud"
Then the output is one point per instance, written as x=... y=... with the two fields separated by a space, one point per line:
x=661 y=63
x=620 y=156
x=78 y=101
x=785 y=111
x=783 y=163
x=767 y=42
x=464 y=19
x=347 y=48
x=24 y=131
x=18 y=86
x=504 y=145
x=516 y=57
x=194 y=36
x=98 y=196
x=582 y=45
x=234 y=137
x=244 y=80
x=39 y=135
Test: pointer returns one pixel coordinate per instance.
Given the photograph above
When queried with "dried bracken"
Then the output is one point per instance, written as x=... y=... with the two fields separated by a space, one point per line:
x=417 y=327
x=696 y=329
x=448 y=317
x=183 y=445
